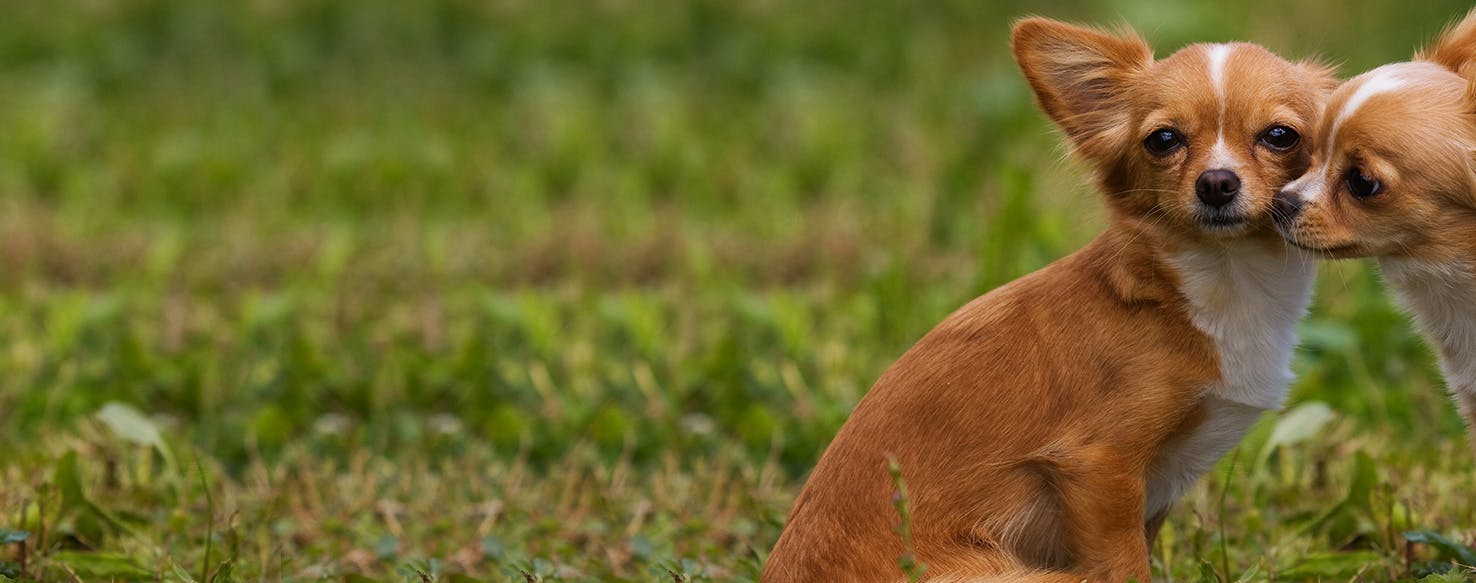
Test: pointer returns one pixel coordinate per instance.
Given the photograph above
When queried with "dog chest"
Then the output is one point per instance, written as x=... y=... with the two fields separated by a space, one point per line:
x=1182 y=461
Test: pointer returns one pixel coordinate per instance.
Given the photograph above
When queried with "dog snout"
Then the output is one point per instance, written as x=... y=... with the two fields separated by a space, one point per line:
x=1286 y=205
x=1217 y=187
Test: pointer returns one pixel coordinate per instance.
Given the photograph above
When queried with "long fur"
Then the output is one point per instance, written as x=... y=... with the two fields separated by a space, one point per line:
x=1045 y=427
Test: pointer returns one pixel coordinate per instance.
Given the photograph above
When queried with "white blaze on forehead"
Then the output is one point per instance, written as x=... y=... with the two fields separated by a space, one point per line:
x=1220 y=156
x=1381 y=80
x=1218 y=54
x=1386 y=79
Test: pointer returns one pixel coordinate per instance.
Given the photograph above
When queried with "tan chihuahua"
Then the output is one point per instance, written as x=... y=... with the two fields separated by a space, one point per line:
x=1395 y=177
x=1045 y=429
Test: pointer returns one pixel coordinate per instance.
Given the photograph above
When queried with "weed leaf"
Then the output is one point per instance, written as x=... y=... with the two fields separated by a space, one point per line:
x=1333 y=565
x=103 y=566
x=1449 y=549
x=1297 y=425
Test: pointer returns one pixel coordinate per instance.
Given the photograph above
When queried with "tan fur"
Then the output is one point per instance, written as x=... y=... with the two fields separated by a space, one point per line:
x=1027 y=421
x=1456 y=49
x=1419 y=141
x=1425 y=209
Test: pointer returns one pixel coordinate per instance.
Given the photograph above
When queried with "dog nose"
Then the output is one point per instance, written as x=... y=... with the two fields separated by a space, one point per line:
x=1217 y=187
x=1285 y=205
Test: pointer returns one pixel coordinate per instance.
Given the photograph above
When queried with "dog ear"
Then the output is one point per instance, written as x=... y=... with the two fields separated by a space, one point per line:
x=1456 y=51
x=1456 y=48
x=1321 y=76
x=1080 y=77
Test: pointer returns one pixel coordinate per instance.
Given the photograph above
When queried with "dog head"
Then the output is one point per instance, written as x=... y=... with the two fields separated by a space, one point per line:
x=1393 y=174
x=1196 y=144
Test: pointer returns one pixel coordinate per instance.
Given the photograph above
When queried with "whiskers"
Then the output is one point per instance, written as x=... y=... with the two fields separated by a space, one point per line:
x=1277 y=216
x=1291 y=250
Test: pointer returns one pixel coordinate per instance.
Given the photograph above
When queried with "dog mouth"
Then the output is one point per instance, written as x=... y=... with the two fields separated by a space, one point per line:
x=1221 y=222
x=1226 y=219
x=1284 y=228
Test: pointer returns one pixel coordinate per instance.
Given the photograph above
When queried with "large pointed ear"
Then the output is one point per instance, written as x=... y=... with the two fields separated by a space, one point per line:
x=1456 y=48
x=1081 y=77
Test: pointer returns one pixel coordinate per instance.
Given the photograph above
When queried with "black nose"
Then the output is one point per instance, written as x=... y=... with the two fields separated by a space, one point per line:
x=1285 y=206
x=1217 y=187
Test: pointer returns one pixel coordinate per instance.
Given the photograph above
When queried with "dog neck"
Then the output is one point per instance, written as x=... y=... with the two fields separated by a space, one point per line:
x=1442 y=297
x=1248 y=297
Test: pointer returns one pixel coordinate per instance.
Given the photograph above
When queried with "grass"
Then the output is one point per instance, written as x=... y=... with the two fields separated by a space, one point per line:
x=570 y=290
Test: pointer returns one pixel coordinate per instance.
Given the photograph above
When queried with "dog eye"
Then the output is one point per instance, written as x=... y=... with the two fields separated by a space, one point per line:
x=1361 y=185
x=1163 y=141
x=1280 y=138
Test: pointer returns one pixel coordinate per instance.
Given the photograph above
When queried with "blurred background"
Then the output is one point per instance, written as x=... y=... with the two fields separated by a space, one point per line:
x=579 y=290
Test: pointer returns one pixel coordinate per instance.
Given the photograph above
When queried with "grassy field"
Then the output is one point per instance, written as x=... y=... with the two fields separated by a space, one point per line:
x=571 y=290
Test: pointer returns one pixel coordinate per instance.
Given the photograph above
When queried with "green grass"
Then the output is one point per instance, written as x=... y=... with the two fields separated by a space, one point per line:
x=579 y=290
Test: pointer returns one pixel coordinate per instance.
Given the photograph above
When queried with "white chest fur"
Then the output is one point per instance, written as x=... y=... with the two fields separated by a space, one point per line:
x=1181 y=464
x=1248 y=300
x=1443 y=299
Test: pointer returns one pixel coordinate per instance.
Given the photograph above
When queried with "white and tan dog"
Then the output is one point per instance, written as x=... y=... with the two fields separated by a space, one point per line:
x=1395 y=178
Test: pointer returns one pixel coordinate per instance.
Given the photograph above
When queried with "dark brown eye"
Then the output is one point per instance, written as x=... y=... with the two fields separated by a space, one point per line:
x=1163 y=141
x=1280 y=138
x=1361 y=185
